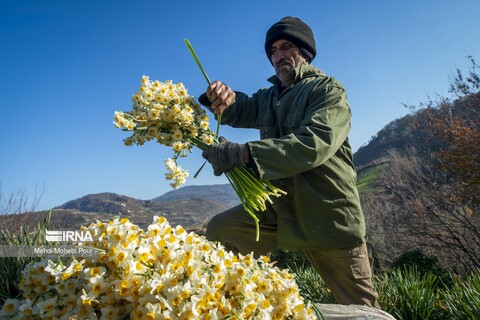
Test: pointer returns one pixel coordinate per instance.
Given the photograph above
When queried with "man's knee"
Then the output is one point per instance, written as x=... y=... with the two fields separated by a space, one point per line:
x=228 y=224
x=213 y=227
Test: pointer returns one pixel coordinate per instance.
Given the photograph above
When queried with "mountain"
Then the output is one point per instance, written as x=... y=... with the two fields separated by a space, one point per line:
x=409 y=131
x=399 y=134
x=107 y=203
x=190 y=207
x=223 y=193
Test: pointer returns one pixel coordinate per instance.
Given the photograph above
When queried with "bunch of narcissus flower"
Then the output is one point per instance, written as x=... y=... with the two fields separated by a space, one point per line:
x=164 y=112
x=162 y=273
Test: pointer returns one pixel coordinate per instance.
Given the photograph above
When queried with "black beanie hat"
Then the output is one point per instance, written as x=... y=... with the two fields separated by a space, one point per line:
x=294 y=30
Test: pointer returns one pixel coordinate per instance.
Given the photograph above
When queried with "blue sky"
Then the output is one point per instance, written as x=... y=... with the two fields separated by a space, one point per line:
x=67 y=66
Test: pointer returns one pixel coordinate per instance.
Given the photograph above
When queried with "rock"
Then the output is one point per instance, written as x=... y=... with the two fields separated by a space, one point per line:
x=351 y=312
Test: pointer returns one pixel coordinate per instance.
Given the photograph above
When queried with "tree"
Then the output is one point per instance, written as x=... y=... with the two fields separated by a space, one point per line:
x=456 y=126
x=428 y=214
x=436 y=193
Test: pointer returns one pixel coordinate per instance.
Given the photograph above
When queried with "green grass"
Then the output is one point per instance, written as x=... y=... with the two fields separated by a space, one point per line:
x=407 y=294
x=12 y=267
x=463 y=299
x=408 y=291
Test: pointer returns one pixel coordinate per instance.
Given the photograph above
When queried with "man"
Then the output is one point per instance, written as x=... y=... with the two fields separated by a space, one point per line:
x=304 y=121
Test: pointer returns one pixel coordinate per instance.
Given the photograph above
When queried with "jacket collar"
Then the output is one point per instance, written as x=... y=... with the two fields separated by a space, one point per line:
x=301 y=72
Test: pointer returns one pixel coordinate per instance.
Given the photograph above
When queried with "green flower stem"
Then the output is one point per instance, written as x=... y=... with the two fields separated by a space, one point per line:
x=195 y=57
x=231 y=177
x=199 y=64
x=251 y=194
x=253 y=184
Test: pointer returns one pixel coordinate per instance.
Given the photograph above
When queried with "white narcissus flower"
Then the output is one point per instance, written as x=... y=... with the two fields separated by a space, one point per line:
x=177 y=146
x=153 y=113
x=177 y=135
x=175 y=173
x=204 y=125
x=109 y=312
x=164 y=272
x=27 y=309
x=47 y=307
x=171 y=165
x=10 y=308
x=207 y=138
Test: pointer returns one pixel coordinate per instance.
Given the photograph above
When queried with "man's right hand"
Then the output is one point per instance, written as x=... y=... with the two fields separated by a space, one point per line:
x=220 y=95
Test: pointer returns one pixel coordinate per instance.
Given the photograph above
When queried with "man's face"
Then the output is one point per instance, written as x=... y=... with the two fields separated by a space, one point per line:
x=285 y=57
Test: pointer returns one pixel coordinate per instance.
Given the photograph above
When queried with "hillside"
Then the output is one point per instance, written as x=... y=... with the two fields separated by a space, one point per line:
x=403 y=134
x=399 y=134
x=192 y=212
x=223 y=193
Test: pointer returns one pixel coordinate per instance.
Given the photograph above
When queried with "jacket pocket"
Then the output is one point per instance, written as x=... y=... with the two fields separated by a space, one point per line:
x=361 y=271
x=293 y=120
x=267 y=126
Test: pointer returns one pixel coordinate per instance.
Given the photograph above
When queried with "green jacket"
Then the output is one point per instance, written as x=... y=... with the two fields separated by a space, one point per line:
x=304 y=150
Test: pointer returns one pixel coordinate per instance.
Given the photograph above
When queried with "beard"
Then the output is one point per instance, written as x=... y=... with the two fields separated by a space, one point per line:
x=285 y=71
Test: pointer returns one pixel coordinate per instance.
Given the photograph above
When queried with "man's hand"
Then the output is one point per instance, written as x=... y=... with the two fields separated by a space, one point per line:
x=225 y=155
x=220 y=95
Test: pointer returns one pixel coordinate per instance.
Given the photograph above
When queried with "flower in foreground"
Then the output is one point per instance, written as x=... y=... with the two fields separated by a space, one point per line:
x=163 y=272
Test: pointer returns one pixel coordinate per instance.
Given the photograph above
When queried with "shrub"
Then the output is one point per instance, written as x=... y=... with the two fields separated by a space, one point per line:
x=289 y=259
x=424 y=264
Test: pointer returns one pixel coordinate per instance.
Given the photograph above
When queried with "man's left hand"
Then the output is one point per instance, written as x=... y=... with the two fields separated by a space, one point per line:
x=224 y=155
